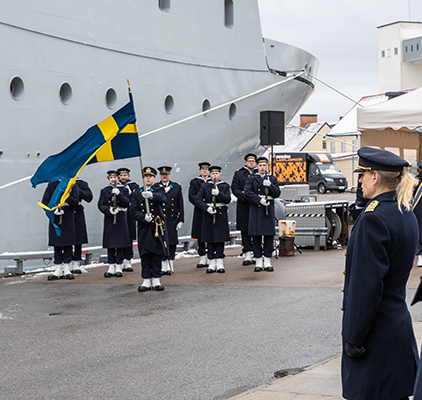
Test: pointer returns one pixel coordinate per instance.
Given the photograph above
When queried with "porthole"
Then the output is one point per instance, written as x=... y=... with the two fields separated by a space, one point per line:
x=169 y=104
x=111 y=98
x=232 y=111
x=65 y=93
x=164 y=5
x=17 y=88
x=206 y=105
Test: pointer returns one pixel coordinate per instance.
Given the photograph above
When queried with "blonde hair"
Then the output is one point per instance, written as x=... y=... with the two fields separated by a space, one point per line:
x=403 y=183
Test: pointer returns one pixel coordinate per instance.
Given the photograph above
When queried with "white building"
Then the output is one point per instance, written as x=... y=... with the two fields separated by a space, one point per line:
x=400 y=56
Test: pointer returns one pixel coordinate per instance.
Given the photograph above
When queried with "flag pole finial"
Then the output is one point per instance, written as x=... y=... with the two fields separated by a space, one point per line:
x=128 y=86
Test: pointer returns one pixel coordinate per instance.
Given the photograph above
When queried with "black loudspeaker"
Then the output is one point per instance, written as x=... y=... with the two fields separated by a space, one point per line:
x=272 y=128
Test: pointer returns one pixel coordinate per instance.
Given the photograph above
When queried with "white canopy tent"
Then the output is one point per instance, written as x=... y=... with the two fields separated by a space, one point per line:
x=393 y=123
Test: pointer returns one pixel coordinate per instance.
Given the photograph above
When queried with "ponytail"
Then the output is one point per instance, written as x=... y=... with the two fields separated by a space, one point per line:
x=403 y=183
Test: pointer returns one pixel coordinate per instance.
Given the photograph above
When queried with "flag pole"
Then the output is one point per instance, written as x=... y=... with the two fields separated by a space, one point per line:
x=140 y=162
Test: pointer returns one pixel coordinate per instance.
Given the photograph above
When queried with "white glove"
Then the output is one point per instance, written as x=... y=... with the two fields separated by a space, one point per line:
x=148 y=218
x=115 y=191
x=264 y=202
x=58 y=211
x=147 y=195
x=214 y=191
x=179 y=225
x=113 y=211
x=266 y=182
x=211 y=210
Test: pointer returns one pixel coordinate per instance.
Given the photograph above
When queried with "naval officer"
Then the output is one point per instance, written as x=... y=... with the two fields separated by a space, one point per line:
x=174 y=214
x=417 y=209
x=81 y=234
x=146 y=208
x=131 y=186
x=213 y=198
x=242 y=207
x=260 y=190
x=379 y=349
x=113 y=203
x=194 y=186
x=64 y=218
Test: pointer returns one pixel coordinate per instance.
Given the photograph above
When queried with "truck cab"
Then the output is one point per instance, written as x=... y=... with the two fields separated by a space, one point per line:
x=325 y=176
x=317 y=169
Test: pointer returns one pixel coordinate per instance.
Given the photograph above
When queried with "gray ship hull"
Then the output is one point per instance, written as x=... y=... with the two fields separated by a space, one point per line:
x=64 y=68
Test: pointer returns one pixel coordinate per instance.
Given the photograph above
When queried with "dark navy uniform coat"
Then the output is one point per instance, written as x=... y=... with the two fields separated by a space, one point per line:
x=81 y=235
x=242 y=208
x=114 y=236
x=218 y=232
x=259 y=222
x=195 y=185
x=147 y=241
x=418 y=210
x=67 y=227
x=173 y=210
x=379 y=258
x=131 y=186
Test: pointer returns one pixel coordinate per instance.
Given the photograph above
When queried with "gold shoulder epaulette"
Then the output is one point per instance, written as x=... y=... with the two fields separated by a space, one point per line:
x=160 y=185
x=178 y=183
x=372 y=206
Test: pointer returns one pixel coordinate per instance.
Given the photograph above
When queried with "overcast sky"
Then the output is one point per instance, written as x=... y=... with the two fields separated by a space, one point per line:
x=343 y=35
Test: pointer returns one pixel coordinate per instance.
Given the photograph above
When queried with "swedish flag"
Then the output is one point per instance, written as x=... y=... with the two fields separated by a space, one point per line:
x=112 y=139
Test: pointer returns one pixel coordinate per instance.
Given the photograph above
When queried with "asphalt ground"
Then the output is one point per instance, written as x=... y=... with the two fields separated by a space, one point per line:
x=206 y=336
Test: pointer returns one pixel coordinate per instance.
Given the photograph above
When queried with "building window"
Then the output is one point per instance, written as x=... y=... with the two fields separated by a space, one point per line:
x=411 y=47
x=324 y=145
x=228 y=13
x=164 y=5
x=333 y=147
x=383 y=53
x=388 y=52
x=406 y=49
x=343 y=147
x=396 y=51
x=355 y=145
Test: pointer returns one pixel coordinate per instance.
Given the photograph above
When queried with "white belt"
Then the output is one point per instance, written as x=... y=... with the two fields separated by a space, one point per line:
x=266 y=197
x=121 y=209
x=216 y=204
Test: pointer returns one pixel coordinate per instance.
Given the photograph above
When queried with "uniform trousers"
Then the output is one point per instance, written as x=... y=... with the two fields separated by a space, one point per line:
x=77 y=252
x=151 y=265
x=128 y=251
x=62 y=254
x=257 y=246
x=246 y=242
x=115 y=256
x=201 y=248
x=215 y=250
x=172 y=252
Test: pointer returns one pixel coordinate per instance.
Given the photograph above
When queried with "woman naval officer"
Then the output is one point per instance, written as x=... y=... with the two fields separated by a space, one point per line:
x=380 y=356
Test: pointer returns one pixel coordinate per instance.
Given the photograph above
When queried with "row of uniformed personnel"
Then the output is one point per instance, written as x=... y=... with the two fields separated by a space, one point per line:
x=255 y=215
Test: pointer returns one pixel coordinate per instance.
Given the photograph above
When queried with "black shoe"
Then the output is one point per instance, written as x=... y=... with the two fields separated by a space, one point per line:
x=128 y=269
x=221 y=270
x=118 y=275
x=201 y=265
x=158 y=287
x=210 y=271
x=108 y=275
x=247 y=262
x=143 y=288
x=52 y=277
x=258 y=269
x=77 y=271
x=69 y=276
x=269 y=269
x=253 y=262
